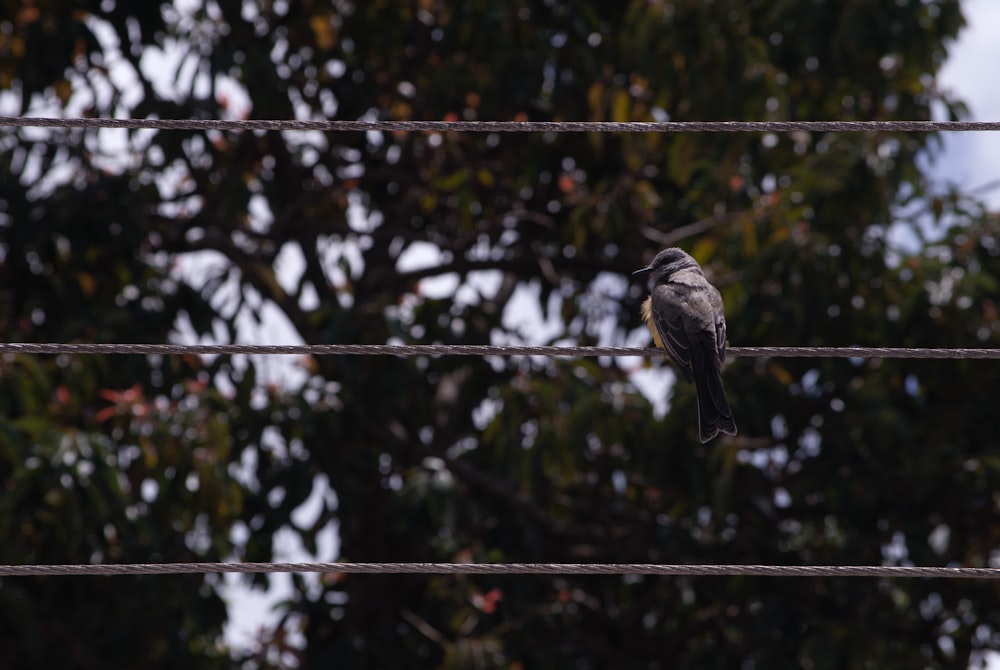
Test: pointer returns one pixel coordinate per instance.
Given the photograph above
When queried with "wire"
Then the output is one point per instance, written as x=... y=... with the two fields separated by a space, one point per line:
x=506 y=569
x=511 y=126
x=479 y=350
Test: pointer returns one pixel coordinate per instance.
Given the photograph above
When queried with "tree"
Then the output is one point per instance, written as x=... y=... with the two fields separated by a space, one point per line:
x=443 y=238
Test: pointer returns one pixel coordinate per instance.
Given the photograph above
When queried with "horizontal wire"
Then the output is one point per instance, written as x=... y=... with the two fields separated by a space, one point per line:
x=510 y=126
x=480 y=350
x=506 y=569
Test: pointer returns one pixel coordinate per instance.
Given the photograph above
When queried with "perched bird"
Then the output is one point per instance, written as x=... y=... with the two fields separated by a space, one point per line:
x=684 y=314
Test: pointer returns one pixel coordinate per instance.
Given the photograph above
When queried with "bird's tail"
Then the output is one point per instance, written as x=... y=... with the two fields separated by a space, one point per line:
x=714 y=414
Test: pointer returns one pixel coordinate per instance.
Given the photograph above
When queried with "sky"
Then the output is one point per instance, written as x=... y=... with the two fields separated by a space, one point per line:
x=972 y=160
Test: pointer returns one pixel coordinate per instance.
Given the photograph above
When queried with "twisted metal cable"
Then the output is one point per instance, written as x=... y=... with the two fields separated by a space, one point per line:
x=511 y=126
x=480 y=350
x=507 y=569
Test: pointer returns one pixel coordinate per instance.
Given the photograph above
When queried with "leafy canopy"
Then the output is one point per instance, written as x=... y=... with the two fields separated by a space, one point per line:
x=431 y=237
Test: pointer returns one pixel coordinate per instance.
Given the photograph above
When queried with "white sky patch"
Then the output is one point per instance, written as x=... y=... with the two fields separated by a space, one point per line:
x=969 y=161
x=160 y=67
x=523 y=315
x=419 y=256
x=656 y=384
x=260 y=215
x=334 y=253
x=120 y=72
x=271 y=326
x=972 y=159
x=422 y=255
x=441 y=286
x=360 y=219
x=484 y=282
x=233 y=96
x=478 y=283
x=253 y=610
x=289 y=266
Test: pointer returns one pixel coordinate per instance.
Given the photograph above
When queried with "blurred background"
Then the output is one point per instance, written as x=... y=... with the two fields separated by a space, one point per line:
x=192 y=236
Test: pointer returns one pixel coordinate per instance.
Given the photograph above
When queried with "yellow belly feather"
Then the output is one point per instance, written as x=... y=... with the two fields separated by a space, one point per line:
x=647 y=316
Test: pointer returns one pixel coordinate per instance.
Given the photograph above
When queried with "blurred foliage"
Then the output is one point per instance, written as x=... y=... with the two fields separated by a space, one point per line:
x=450 y=237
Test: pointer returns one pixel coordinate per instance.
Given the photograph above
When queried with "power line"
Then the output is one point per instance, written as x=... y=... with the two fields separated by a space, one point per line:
x=507 y=569
x=479 y=350
x=512 y=126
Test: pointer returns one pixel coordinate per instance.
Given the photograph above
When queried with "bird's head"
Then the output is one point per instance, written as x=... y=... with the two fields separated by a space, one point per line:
x=666 y=263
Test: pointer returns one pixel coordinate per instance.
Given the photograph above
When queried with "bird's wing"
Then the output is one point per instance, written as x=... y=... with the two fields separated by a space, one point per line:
x=720 y=327
x=669 y=309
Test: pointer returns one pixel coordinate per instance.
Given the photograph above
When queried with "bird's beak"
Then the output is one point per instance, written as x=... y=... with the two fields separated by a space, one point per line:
x=642 y=271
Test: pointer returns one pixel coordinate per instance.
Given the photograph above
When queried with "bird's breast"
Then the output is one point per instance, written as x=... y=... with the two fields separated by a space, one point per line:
x=647 y=316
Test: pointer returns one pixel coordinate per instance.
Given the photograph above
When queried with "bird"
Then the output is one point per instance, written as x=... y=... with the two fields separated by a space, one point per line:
x=684 y=313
